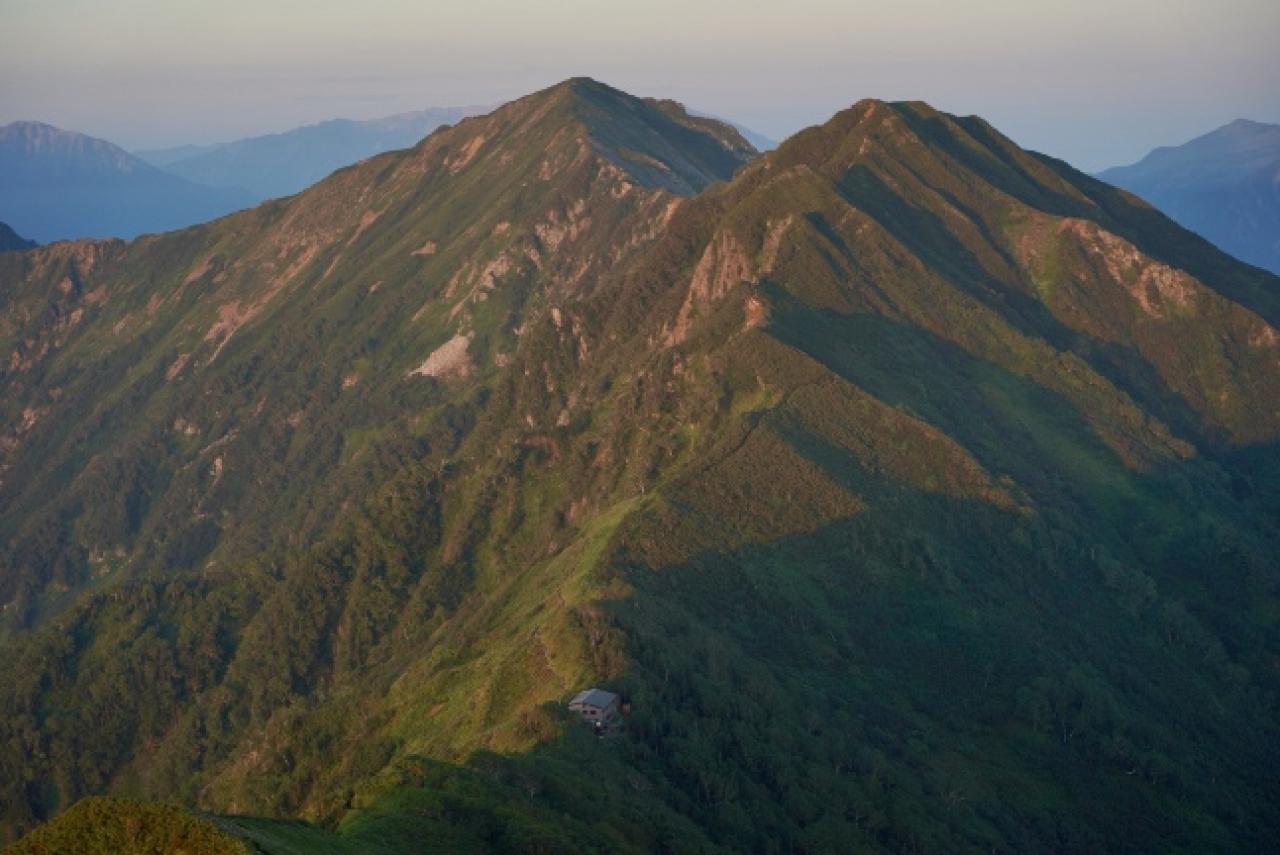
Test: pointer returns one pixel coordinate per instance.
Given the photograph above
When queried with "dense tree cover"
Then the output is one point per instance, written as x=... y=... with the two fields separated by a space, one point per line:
x=880 y=682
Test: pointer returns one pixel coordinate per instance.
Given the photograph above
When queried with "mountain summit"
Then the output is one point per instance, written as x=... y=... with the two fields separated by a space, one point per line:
x=915 y=491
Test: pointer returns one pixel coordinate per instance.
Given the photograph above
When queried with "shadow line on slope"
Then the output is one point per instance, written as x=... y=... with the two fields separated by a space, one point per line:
x=926 y=236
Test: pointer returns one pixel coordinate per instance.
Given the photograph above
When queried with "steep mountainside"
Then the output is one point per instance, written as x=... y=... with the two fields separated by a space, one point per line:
x=57 y=184
x=11 y=240
x=1224 y=185
x=274 y=165
x=200 y=394
x=918 y=491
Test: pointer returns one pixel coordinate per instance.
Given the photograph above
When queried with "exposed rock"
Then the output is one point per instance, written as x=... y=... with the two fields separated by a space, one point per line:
x=467 y=154
x=723 y=265
x=175 y=368
x=448 y=360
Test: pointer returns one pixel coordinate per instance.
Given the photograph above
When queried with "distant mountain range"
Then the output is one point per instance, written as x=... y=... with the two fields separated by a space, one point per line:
x=57 y=184
x=11 y=240
x=759 y=141
x=282 y=164
x=1224 y=185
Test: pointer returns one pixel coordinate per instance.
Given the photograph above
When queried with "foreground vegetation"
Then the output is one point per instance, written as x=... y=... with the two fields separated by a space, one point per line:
x=918 y=491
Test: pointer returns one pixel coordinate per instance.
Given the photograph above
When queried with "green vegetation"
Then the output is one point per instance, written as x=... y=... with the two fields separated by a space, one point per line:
x=911 y=494
x=106 y=826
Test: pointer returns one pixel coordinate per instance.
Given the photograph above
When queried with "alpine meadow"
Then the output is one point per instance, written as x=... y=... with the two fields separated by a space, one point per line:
x=911 y=491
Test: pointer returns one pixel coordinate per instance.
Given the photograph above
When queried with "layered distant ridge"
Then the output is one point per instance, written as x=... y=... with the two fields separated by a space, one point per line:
x=273 y=165
x=1224 y=185
x=11 y=240
x=57 y=184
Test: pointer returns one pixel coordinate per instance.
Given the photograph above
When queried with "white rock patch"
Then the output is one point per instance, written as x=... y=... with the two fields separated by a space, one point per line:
x=448 y=360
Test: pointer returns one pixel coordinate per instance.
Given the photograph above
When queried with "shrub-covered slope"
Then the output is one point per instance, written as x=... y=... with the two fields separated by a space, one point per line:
x=210 y=406
x=107 y=826
x=919 y=491
x=214 y=391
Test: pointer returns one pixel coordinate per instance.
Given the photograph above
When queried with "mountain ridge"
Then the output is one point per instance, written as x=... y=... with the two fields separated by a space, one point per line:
x=297 y=239
x=882 y=472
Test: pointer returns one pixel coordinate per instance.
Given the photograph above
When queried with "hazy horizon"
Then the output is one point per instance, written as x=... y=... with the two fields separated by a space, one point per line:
x=1098 y=84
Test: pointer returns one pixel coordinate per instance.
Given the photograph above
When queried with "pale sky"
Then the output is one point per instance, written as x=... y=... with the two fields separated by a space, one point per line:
x=1097 y=82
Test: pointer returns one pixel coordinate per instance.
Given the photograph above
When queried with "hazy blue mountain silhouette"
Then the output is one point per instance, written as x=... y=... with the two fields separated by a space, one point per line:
x=57 y=184
x=282 y=164
x=11 y=240
x=1224 y=185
